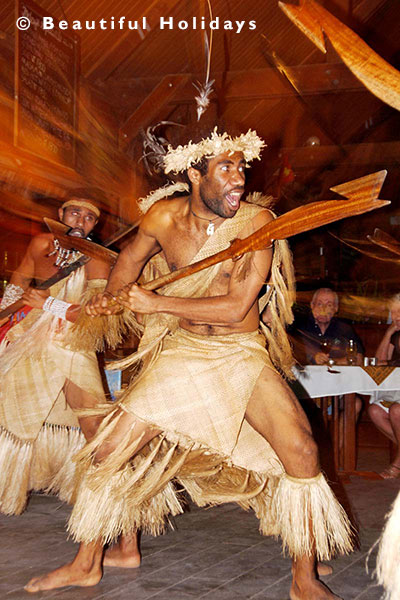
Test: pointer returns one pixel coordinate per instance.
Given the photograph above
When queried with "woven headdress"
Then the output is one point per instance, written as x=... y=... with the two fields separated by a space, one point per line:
x=180 y=159
x=83 y=203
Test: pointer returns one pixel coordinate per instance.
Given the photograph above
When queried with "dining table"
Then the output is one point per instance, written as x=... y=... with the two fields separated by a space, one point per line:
x=334 y=388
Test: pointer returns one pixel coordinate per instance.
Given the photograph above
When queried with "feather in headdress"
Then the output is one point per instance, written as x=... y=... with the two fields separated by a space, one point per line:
x=155 y=147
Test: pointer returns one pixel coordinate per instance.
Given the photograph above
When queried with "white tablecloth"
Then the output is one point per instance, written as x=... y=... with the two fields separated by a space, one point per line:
x=316 y=381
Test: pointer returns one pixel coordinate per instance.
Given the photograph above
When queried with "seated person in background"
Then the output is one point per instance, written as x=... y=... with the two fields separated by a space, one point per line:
x=384 y=408
x=326 y=336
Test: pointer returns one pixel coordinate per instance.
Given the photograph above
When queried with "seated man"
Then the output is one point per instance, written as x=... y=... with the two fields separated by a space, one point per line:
x=326 y=336
x=384 y=408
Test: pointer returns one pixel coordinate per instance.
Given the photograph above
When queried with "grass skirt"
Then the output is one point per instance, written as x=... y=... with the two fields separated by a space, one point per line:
x=43 y=465
x=388 y=561
x=196 y=394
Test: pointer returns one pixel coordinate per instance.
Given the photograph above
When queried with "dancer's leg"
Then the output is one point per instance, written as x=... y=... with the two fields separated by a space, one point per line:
x=275 y=413
x=86 y=568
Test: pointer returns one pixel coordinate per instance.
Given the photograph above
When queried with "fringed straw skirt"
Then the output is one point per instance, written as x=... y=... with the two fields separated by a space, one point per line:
x=196 y=393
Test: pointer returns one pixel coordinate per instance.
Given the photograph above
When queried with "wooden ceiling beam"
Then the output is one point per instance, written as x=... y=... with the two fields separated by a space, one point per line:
x=314 y=79
x=127 y=42
x=152 y=108
x=373 y=153
x=320 y=78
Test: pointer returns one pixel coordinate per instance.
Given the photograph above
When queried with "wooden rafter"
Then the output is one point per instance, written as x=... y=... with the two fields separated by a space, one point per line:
x=151 y=109
x=380 y=77
x=128 y=42
x=374 y=153
x=251 y=84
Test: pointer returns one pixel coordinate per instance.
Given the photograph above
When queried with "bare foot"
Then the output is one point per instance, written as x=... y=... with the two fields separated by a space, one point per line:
x=115 y=556
x=312 y=590
x=66 y=575
x=324 y=569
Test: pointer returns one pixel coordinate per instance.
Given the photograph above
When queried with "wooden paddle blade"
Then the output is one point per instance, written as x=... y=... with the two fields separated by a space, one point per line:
x=305 y=18
x=362 y=196
x=372 y=70
x=304 y=218
x=359 y=245
x=59 y=230
x=382 y=236
x=368 y=186
x=384 y=240
x=12 y=308
x=362 y=191
x=56 y=226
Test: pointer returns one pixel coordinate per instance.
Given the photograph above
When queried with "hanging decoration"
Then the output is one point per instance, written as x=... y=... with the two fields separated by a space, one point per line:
x=374 y=72
x=205 y=89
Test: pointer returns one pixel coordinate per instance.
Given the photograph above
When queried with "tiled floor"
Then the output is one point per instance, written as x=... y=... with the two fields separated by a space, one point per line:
x=214 y=554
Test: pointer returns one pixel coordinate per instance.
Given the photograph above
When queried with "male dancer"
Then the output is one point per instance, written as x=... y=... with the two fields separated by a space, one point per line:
x=209 y=410
x=43 y=380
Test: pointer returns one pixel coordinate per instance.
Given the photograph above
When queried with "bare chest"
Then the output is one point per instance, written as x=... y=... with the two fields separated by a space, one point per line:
x=181 y=245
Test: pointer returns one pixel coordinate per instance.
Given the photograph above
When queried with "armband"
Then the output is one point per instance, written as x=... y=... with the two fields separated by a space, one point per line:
x=12 y=293
x=57 y=307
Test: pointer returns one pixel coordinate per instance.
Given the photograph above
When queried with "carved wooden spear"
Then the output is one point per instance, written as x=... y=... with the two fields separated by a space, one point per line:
x=373 y=71
x=384 y=240
x=89 y=250
x=359 y=245
x=362 y=197
x=45 y=285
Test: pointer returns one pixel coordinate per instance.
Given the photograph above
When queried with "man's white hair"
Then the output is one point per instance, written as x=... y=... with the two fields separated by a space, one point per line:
x=334 y=294
x=394 y=299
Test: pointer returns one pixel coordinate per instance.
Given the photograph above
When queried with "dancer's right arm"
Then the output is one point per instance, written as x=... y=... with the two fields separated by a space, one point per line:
x=128 y=267
x=25 y=271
